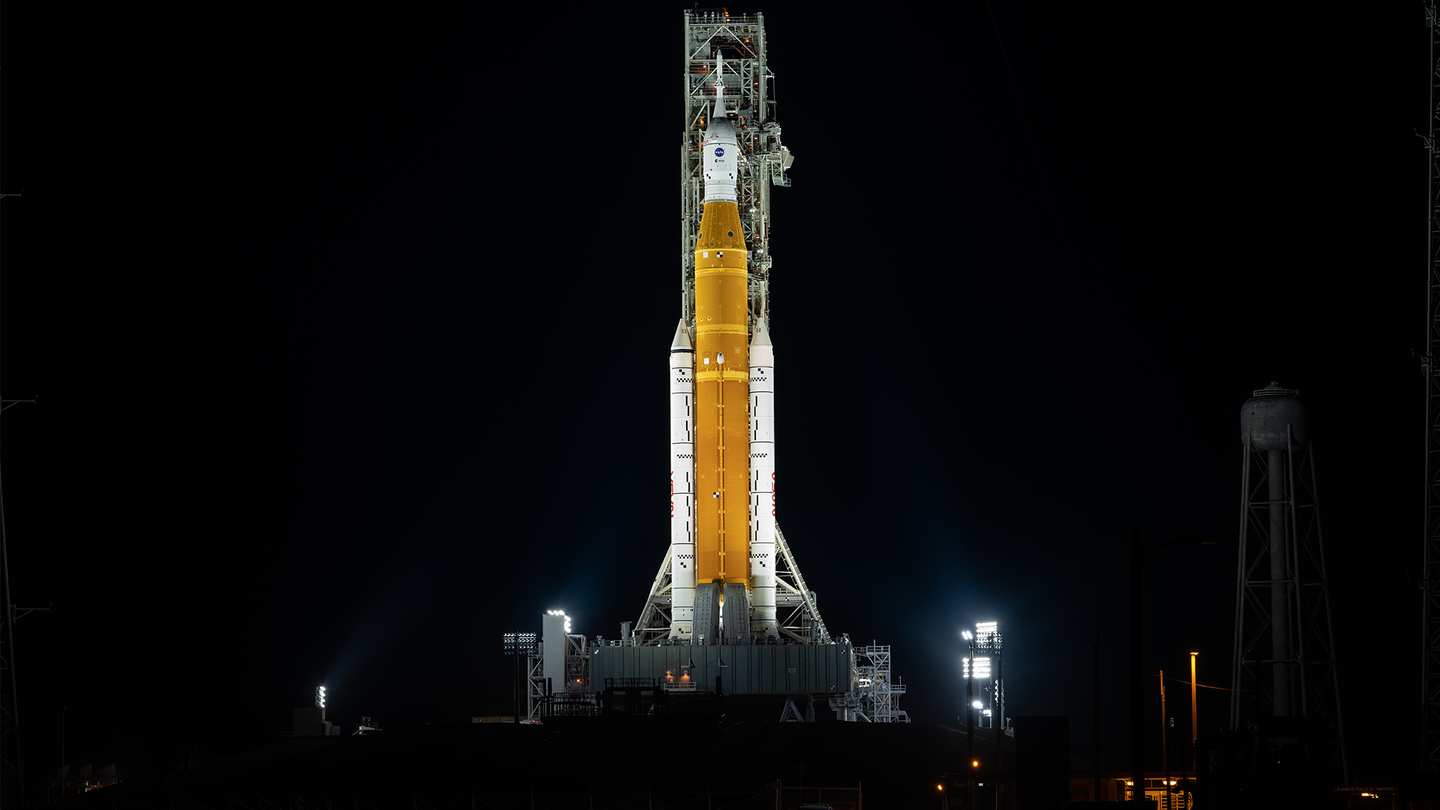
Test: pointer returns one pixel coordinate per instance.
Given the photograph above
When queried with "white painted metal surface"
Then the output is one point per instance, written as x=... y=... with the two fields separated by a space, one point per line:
x=682 y=482
x=762 y=484
x=554 y=627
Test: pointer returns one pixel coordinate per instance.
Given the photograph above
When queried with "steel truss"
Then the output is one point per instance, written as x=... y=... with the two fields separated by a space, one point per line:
x=795 y=606
x=534 y=686
x=750 y=96
x=1309 y=672
x=877 y=695
x=571 y=697
x=1430 y=588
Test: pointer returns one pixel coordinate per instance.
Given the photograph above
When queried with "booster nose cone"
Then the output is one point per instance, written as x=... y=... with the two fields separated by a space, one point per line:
x=681 y=343
x=761 y=336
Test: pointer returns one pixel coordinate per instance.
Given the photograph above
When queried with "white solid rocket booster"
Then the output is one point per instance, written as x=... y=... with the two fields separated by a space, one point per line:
x=682 y=483
x=762 y=483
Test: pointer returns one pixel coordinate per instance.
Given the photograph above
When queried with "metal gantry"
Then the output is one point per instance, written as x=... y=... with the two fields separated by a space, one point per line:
x=1430 y=587
x=879 y=692
x=750 y=96
x=1284 y=656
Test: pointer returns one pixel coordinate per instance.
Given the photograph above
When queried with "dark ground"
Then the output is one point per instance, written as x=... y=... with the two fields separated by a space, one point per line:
x=896 y=766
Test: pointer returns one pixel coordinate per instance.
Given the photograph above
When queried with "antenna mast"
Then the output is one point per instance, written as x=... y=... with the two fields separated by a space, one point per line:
x=1430 y=587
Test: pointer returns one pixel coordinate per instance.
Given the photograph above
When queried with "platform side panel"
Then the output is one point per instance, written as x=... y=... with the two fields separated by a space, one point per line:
x=748 y=669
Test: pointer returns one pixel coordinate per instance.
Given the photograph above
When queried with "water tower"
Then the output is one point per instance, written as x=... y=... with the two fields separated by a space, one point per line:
x=1284 y=664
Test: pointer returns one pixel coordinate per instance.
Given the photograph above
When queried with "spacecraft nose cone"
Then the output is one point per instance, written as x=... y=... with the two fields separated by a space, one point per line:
x=719 y=126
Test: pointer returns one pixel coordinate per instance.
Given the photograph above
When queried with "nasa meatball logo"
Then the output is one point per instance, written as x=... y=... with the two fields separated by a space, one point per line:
x=719 y=151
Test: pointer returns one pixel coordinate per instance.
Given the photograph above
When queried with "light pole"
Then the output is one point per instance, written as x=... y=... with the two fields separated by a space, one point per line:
x=1137 y=673
x=970 y=718
x=1164 y=739
x=64 y=769
x=1194 y=717
x=1095 y=787
x=1194 y=733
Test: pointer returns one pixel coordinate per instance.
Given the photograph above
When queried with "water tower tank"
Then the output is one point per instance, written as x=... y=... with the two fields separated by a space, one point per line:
x=1264 y=416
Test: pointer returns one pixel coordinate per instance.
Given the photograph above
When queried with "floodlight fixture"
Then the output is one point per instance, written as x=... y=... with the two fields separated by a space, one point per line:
x=560 y=613
x=319 y=697
x=979 y=669
x=987 y=636
x=519 y=643
x=966 y=634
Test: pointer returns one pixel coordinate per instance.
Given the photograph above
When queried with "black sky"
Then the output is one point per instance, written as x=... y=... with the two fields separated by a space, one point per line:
x=349 y=333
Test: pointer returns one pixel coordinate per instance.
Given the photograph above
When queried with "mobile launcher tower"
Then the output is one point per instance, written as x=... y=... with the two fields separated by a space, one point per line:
x=729 y=612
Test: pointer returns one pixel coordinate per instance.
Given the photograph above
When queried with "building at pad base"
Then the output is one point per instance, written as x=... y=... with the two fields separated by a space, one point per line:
x=729 y=612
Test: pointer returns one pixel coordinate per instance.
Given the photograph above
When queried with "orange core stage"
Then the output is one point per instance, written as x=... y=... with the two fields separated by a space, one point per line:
x=722 y=393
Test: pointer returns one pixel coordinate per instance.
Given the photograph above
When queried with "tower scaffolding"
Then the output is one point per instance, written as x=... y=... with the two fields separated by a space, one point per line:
x=750 y=96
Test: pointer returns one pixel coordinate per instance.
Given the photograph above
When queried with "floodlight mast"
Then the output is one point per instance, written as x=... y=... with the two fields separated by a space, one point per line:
x=970 y=706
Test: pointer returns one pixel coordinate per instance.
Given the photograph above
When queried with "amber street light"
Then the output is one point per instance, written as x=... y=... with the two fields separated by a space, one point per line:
x=1194 y=716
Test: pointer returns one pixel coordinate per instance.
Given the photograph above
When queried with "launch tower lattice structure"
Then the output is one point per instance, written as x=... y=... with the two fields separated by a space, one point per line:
x=750 y=95
x=1430 y=587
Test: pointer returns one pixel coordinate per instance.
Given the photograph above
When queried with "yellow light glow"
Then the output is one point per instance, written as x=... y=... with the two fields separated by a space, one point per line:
x=976 y=763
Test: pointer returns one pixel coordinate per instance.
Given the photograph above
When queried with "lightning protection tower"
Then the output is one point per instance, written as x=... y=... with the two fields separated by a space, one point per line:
x=1430 y=587
x=1284 y=664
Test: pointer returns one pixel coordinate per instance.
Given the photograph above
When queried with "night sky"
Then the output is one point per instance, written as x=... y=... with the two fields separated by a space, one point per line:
x=349 y=333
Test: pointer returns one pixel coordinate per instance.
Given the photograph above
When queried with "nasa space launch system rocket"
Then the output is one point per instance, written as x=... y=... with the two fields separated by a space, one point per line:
x=722 y=436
